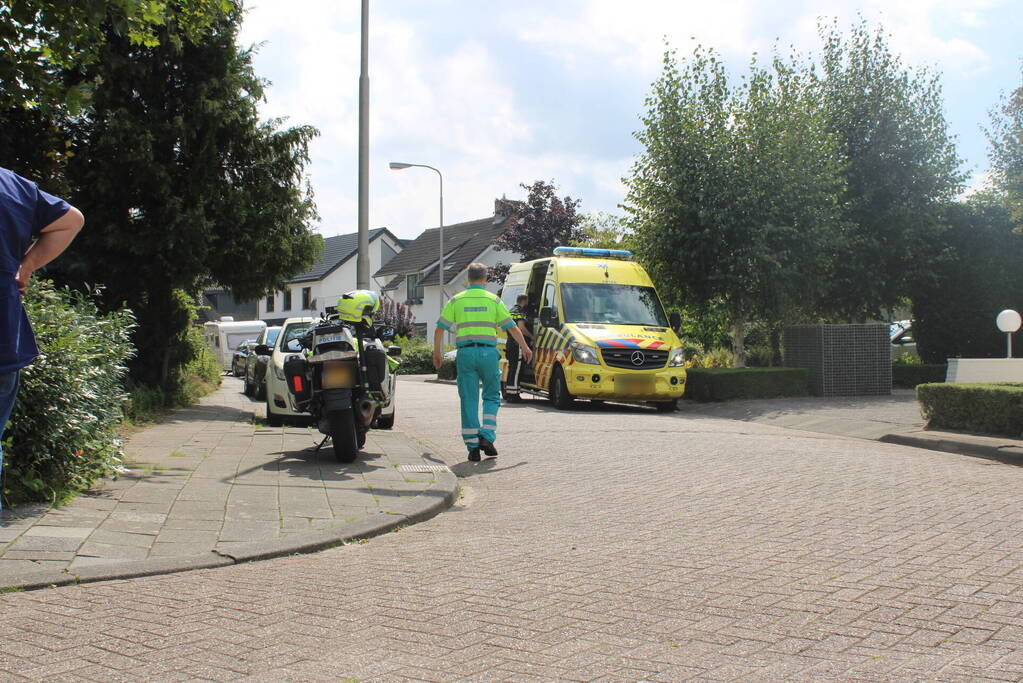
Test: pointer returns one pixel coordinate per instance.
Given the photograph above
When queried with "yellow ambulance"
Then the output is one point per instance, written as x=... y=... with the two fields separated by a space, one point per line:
x=600 y=331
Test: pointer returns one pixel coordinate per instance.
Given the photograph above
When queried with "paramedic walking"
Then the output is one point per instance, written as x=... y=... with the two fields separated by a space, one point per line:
x=34 y=228
x=475 y=315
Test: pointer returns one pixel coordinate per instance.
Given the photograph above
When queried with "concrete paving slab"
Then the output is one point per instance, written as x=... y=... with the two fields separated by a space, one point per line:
x=204 y=478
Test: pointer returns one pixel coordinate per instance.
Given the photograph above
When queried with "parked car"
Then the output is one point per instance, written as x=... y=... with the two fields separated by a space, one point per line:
x=256 y=363
x=280 y=402
x=240 y=357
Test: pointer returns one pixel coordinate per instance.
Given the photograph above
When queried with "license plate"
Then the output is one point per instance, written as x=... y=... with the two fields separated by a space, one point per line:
x=338 y=375
x=635 y=384
x=331 y=338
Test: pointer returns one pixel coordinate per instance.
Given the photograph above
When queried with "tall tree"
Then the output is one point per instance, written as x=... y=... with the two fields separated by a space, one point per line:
x=902 y=167
x=735 y=196
x=183 y=185
x=1006 y=139
x=47 y=45
x=539 y=224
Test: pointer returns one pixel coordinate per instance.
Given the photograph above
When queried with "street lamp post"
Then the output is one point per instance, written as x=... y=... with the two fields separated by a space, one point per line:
x=397 y=166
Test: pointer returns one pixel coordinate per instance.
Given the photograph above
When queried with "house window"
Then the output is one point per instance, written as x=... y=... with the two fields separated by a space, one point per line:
x=419 y=330
x=286 y=300
x=307 y=298
x=414 y=288
x=270 y=304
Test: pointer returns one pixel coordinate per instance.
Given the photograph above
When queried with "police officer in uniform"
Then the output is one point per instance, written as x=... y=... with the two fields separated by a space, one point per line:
x=511 y=349
x=475 y=315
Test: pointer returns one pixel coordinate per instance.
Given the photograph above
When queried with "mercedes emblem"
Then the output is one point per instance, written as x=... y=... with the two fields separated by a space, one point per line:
x=637 y=358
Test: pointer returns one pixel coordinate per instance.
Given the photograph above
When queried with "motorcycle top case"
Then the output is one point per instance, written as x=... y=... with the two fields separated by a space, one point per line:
x=298 y=380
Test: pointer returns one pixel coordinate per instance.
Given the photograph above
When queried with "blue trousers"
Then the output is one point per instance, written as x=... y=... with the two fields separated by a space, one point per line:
x=8 y=392
x=478 y=365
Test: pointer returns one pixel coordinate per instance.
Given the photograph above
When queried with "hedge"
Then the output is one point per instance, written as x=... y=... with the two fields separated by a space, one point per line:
x=994 y=408
x=63 y=434
x=907 y=376
x=722 y=384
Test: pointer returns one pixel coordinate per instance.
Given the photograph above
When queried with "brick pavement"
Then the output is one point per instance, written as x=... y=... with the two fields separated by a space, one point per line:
x=210 y=484
x=623 y=545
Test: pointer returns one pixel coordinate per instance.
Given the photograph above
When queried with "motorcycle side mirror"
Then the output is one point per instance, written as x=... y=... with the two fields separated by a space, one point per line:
x=393 y=351
x=385 y=332
x=548 y=317
x=675 y=320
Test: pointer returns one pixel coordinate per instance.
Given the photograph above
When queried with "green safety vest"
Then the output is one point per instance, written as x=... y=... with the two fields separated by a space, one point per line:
x=475 y=315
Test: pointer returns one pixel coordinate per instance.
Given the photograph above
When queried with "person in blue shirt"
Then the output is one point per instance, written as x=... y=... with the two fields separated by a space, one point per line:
x=35 y=227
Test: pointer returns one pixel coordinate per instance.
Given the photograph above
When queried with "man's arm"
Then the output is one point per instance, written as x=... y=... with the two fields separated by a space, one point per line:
x=53 y=240
x=438 y=344
x=521 y=325
x=527 y=354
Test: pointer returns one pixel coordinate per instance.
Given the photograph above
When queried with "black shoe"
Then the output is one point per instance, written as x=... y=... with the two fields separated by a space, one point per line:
x=474 y=454
x=488 y=447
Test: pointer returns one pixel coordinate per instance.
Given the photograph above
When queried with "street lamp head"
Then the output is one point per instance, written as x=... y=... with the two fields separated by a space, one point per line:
x=1008 y=321
x=397 y=165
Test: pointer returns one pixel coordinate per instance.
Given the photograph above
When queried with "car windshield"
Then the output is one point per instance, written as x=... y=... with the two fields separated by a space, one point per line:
x=612 y=304
x=271 y=336
x=294 y=331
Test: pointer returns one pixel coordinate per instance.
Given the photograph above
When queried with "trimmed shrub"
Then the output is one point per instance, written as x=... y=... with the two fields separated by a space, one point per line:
x=908 y=375
x=719 y=357
x=990 y=408
x=721 y=384
x=64 y=429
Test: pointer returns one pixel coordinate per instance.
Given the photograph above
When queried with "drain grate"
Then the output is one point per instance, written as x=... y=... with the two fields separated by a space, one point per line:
x=423 y=468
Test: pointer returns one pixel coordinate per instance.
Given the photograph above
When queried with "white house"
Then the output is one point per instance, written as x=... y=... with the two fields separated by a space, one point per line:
x=309 y=293
x=411 y=276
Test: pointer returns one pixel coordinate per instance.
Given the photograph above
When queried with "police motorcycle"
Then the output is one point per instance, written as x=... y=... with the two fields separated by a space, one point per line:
x=344 y=376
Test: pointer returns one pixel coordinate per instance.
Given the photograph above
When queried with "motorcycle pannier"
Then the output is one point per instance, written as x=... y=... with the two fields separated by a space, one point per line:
x=298 y=382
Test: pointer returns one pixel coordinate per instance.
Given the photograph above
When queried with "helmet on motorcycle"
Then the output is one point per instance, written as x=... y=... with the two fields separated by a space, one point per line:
x=358 y=305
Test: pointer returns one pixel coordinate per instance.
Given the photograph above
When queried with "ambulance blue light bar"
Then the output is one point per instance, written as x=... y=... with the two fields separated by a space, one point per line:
x=587 y=252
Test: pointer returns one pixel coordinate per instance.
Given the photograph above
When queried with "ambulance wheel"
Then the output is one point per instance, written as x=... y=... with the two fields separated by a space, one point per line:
x=666 y=406
x=560 y=396
x=508 y=396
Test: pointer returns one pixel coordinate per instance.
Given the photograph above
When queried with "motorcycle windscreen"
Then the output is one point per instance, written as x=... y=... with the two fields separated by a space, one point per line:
x=339 y=375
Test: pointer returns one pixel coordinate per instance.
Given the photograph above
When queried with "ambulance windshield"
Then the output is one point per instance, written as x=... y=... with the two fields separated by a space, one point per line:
x=609 y=304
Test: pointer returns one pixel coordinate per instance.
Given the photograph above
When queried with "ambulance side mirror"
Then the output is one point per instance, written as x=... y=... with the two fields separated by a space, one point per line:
x=548 y=317
x=676 y=321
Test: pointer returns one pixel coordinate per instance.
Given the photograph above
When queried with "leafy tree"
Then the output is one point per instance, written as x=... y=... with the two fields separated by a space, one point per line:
x=182 y=185
x=734 y=200
x=539 y=224
x=902 y=168
x=1006 y=139
x=972 y=274
x=605 y=231
x=47 y=45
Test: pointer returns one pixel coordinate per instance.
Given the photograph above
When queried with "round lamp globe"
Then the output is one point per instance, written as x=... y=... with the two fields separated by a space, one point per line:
x=1008 y=320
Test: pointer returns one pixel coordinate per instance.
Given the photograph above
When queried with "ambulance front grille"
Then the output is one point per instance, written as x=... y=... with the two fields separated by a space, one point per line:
x=625 y=358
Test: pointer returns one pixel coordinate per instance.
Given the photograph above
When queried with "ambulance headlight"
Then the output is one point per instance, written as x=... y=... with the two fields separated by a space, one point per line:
x=585 y=354
x=677 y=358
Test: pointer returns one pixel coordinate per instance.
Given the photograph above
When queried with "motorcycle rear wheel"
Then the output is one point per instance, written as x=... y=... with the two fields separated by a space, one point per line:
x=343 y=434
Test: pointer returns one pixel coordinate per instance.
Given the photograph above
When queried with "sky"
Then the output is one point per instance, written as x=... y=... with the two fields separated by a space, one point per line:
x=497 y=94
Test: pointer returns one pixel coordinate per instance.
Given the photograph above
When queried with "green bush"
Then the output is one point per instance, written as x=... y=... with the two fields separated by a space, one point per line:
x=416 y=356
x=995 y=408
x=64 y=429
x=908 y=375
x=722 y=384
x=719 y=357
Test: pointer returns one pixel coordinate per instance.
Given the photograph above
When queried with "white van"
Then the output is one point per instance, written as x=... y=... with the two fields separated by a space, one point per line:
x=224 y=336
